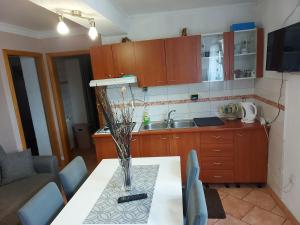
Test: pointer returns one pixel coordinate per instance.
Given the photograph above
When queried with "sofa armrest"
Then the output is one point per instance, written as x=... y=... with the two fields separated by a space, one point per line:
x=45 y=164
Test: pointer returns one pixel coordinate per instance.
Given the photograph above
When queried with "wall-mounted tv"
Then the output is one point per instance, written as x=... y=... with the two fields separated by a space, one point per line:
x=283 y=51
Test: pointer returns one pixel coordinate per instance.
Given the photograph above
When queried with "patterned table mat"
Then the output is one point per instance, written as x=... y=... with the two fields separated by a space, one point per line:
x=108 y=211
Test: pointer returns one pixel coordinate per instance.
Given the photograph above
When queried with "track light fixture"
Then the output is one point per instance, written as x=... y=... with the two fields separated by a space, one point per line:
x=63 y=29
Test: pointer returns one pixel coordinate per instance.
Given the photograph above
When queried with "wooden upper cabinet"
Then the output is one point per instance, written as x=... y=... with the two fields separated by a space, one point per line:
x=102 y=62
x=124 y=58
x=228 y=55
x=151 y=62
x=183 y=59
x=260 y=52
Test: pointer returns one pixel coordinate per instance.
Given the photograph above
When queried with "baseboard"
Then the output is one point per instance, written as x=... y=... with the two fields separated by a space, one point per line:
x=280 y=203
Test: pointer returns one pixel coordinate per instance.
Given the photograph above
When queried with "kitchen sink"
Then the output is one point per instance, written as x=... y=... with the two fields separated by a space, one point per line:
x=155 y=126
x=173 y=125
x=182 y=124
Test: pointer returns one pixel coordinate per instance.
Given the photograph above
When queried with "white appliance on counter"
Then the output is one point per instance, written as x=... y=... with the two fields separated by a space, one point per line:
x=249 y=112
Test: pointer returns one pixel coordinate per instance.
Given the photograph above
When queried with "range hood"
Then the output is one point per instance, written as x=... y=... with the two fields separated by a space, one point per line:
x=114 y=81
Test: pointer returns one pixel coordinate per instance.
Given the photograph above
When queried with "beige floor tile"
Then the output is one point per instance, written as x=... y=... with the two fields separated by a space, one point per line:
x=237 y=192
x=260 y=199
x=236 y=207
x=259 y=216
x=278 y=212
x=222 y=194
x=211 y=221
x=230 y=221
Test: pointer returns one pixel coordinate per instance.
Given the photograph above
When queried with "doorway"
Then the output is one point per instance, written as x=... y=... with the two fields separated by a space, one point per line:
x=77 y=102
x=30 y=94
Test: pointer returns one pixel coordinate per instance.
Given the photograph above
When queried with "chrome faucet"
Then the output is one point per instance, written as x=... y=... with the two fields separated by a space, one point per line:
x=169 y=120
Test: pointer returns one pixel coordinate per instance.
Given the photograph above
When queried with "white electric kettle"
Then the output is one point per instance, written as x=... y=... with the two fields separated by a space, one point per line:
x=249 y=112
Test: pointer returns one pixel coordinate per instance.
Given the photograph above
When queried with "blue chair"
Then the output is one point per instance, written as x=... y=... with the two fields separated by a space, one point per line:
x=73 y=176
x=192 y=172
x=197 y=210
x=43 y=207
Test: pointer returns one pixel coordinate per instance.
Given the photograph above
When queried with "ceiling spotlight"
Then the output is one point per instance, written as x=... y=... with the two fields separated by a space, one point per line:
x=62 y=28
x=93 y=33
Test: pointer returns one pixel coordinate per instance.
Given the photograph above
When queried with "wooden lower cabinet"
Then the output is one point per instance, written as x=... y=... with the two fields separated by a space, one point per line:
x=106 y=149
x=154 y=145
x=181 y=145
x=234 y=156
x=251 y=153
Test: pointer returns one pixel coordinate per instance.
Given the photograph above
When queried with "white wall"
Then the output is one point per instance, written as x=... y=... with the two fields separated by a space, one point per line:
x=203 y=20
x=284 y=151
x=36 y=105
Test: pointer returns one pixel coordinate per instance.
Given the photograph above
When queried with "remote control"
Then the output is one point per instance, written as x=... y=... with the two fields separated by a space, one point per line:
x=132 y=198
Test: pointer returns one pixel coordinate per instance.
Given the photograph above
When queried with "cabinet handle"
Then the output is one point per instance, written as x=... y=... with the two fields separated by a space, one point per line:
x=217 y=176
x=217 y=137
x=133 y=140
x=176 y=137
x=217 y=150
x=164 y=138
x=217 y=163
x=240 y=134
x=109 y=75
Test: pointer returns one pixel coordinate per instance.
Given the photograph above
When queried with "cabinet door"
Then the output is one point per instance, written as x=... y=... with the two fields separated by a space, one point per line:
x=105 y=148
x=135 y=147
x=183 y=60
x=124 y=58
x=154 y=145
x=151 y=62
x=102 y=62
x=228 y=55
x=251 y=161
x=181 y=145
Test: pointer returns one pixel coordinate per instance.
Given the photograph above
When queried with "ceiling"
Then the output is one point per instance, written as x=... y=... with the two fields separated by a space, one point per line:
x=134 y=7
x=25 y=14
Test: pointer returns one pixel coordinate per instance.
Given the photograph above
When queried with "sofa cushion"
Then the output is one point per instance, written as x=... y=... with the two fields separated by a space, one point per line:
x=16 y=165
x=14 y=195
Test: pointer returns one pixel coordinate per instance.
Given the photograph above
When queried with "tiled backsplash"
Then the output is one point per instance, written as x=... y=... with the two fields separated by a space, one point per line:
x=160 y=100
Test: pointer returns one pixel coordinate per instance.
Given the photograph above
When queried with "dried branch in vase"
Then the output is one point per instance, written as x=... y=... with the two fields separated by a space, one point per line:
x=119 y=123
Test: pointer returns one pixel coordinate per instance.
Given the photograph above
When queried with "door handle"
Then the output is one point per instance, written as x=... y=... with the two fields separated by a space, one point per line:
x=217 y=137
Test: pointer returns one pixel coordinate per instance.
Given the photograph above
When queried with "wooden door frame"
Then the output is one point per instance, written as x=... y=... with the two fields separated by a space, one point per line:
x=58 y=102
x=44 y=89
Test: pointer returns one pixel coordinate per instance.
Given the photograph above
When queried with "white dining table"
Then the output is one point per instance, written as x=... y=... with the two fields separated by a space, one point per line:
x=166 y=207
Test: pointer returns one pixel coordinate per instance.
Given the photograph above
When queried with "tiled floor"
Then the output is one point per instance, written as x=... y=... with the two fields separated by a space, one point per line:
x=249 y=206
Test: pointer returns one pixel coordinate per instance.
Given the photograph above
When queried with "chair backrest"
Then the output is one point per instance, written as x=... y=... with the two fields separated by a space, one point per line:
x=43 y=207
x=192 y=172
x=73 y=176
x=197 y=210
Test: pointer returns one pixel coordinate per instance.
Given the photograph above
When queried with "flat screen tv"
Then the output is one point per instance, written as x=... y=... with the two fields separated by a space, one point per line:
x=283 y=51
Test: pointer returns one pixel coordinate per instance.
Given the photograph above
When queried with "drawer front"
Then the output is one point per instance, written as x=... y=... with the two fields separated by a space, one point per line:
x=217 y=176
x=216 y=163
x=216 y=150
x=217 y=137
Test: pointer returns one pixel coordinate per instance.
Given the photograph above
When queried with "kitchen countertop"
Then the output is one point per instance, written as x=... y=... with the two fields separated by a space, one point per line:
x=228 y=125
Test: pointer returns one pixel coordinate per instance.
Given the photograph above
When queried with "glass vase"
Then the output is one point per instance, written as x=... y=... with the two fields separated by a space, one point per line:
x=126 y=165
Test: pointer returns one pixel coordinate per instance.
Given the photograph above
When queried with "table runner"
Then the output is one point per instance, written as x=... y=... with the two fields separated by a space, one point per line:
x=108 y=211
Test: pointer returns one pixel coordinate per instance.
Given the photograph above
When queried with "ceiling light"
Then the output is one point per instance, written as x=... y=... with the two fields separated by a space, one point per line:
x=93 y=33
x=62 y=28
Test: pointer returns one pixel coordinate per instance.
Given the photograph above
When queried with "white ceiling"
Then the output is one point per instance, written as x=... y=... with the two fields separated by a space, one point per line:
x=25 y=14
x=111 y=16
x=134 y=7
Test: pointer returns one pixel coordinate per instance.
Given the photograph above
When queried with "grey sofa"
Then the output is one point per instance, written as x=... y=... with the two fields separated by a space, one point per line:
x=14 y=195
